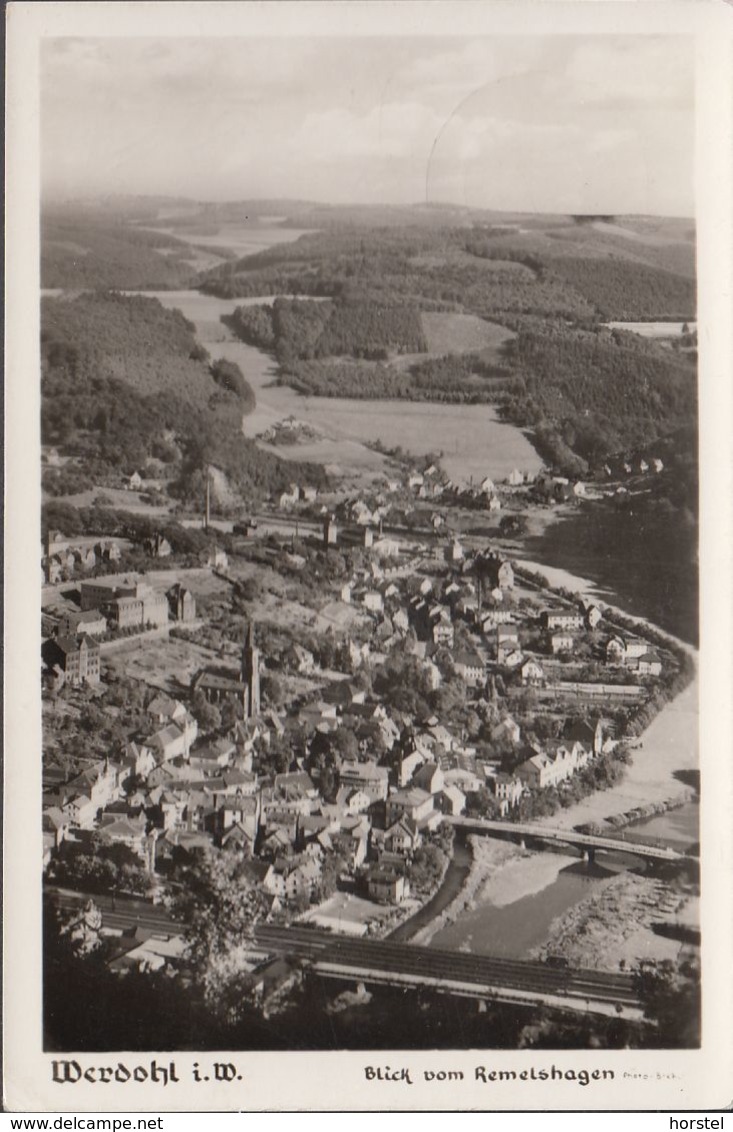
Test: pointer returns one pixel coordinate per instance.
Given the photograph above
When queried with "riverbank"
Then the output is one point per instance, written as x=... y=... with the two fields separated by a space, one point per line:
x=659 y=774
x=614 y=927
x=661 y=777
x=500 y=873
x=663 y=765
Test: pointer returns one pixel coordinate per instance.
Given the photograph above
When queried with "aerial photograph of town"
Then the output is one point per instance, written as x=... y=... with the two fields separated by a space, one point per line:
x=369 y=544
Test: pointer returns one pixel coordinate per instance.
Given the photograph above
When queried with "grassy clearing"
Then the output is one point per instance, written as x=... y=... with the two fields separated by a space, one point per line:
x=165 y=664
x=451 y=333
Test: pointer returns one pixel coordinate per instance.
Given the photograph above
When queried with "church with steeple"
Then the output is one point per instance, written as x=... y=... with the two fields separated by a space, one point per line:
x=219 y=684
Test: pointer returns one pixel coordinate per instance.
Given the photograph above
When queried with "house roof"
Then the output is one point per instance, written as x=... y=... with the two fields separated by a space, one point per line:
x=468 y=657
x=426 y=772
x=415 y=796
x=67 y=644
x=582 y=731
x=364 y=771
x=85 y=617
x=239 y=778
x=219 y=683
x=240 y=804
x=122 y=827
x=166 y=706
x=54 y=816
x=297 y=781
x=402 y=823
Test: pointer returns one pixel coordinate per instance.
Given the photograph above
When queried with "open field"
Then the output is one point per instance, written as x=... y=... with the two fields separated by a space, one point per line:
x=653 y=329
x=165 y=664
x=348 y=914
x=474 y=442
x=120 y=499
x=240 y=239
x=451 y=333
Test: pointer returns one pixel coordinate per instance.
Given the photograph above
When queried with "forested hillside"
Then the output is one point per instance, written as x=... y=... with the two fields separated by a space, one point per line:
x=622 y=290
x=595 y=394
x=551 y=281
x=565 y=270
x=357 y=328
x=79 y=250
x=584 y=391
x=123 y=381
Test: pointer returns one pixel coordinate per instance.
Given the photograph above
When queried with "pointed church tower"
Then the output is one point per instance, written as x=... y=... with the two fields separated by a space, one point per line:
x=251 y=672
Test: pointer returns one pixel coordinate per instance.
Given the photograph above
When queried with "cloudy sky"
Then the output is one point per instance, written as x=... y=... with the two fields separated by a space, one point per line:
x=560 y=123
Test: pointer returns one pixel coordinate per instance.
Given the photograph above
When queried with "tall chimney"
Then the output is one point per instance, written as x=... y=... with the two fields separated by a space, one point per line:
x=207 y=513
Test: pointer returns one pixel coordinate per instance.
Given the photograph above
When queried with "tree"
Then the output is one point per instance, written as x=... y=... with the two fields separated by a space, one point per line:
x=482 y=804
x=207 y=715
x=670 y=995
x=221 y=904
x=273 y=690
x=344 y=744
x=231 y=712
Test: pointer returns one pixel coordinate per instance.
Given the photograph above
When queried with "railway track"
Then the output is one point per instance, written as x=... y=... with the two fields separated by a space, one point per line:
x=448 y=966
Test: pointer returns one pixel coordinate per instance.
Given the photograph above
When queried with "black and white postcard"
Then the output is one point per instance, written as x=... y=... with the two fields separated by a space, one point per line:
x=369 y=556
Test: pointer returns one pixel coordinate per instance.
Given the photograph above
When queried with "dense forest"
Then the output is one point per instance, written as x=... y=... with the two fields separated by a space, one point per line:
x=454 y=379
x=357 y=328
x=584 y=391
x=570 y=271
x=599 y=393
x=623 y=290
x=79 y=250
x=341 y=349
x=123 y=381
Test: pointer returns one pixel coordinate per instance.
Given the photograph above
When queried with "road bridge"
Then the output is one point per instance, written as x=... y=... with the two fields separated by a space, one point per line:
x=587 y=843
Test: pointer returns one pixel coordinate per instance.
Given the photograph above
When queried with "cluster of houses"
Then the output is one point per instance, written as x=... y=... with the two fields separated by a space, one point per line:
x=64 y=558
x=633 y=654
x=296 y=493
x=475 y=594
x=432 y=484
x=172 y=789
x=363 y=535
x=361 y=816
x=168 y=790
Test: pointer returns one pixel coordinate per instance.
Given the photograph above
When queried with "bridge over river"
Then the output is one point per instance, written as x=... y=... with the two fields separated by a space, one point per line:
x=376 y=961
x=587 y=843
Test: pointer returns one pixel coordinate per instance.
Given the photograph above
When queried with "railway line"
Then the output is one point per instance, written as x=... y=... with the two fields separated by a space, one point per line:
x=433 y=965
x=385 y=961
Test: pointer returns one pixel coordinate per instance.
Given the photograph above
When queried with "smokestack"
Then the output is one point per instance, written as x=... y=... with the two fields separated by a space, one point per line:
x=207 y=513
